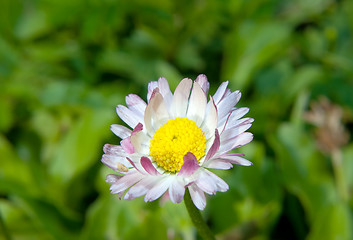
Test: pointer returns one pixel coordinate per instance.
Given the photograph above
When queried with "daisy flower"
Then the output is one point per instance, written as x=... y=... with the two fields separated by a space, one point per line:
x=175 y=139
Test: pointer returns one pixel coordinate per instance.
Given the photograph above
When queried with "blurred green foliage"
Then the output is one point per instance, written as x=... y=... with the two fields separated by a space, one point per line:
x=64 y=65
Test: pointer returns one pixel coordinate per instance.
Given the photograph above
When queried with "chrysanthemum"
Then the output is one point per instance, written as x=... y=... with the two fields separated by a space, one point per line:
x=175 y=139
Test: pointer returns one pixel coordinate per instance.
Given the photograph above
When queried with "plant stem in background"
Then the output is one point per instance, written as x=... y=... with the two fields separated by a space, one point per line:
x=336 y=157
x=3 y=229
x=196 y=218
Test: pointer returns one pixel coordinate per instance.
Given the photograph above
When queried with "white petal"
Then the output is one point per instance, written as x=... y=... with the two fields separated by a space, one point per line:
x=197 y=196
x=231 y=133
x=176 y=191
x=157 y=190
x=226 y=104
x=128 y=116
x=114 y=161
x=197 y=104
x=114 y=150
x=210 y=183
x=112 y=178
x=120 y=131
x=140 y=188
x=211 y=120
x=220 y=92
x=240 y=140
x=233 y=159
x=181 y=98
x=219 y=164
x=126 y=181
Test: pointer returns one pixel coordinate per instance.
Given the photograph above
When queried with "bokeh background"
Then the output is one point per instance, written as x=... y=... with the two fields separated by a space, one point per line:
x=66 y=64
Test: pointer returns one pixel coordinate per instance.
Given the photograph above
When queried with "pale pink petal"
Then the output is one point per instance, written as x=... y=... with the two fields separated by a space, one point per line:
x=176 y=191
x=197 y=196
x=136 y=104
x=180 y=99
x=214 y=148
x=151 y=87
x=203 y=82
x=120 y=131
x=140 y=188
x=148 y=166
x=190 y=165
x=157 y=190
x=220 y=92
x=128 y=116
x=127 y=146
x=197 y=105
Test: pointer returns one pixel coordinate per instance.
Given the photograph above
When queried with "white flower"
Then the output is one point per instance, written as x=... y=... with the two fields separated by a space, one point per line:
x=175 y=139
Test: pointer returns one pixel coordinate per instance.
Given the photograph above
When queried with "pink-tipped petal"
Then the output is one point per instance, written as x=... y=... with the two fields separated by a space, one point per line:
x=156 y=113
x=128 y=116
x=120 y=131
x=197 y=104
x=197 y=196
x=151 y=88
x=214 y=148
x=136 y=104
x=138 y=128
x=165 y=90
x=203 y=82
x=176 y=191
x=127 y=146
x=181 y=98
x=148 y=166
x=190 y=165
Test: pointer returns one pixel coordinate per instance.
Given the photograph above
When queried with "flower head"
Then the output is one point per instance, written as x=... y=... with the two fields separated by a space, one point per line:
x=175 y=139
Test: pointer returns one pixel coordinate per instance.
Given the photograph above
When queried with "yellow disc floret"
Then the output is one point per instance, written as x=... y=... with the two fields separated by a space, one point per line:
x=173 y=140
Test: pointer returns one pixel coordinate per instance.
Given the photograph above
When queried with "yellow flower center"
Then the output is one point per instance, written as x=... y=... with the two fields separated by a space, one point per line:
x=173 y=140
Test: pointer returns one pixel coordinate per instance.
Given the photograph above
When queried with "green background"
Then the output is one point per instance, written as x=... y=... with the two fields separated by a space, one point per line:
x=66 y=64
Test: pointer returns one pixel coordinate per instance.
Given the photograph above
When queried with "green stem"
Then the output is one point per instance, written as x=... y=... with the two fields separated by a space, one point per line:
x=196 y=218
